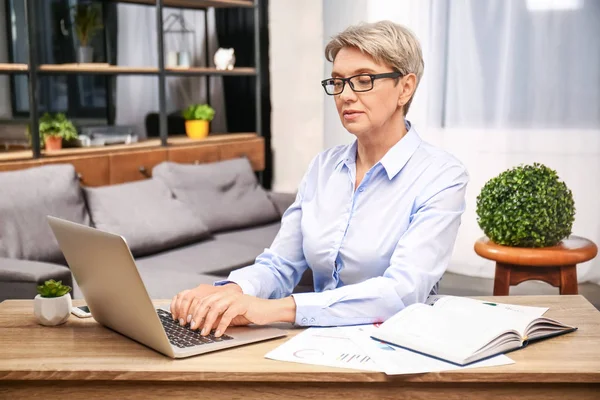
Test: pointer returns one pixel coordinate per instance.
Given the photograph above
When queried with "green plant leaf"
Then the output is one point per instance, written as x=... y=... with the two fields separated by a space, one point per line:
x=55 y=125
x=199 y=112
x=526 y=206
x=52 y=288
x=87 y=20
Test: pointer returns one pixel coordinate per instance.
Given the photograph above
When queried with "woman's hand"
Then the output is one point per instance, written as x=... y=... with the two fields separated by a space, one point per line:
x=225 y=308
x=180 y=305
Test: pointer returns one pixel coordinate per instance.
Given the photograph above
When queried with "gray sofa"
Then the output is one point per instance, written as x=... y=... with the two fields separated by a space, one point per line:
x=186 y=225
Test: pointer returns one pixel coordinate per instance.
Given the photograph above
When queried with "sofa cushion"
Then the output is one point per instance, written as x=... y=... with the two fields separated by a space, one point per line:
x=212 y=256
x=164 y=284
x=146 y=214
x=27 y=197
x=225 y=194
x=282 y=200
x=260 y=236
x=19 y=278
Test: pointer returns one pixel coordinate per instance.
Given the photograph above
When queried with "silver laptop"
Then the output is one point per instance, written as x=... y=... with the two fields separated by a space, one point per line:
x=106 y=273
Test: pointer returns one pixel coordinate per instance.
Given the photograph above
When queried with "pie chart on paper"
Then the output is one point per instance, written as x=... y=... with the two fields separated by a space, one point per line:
x=308 y=353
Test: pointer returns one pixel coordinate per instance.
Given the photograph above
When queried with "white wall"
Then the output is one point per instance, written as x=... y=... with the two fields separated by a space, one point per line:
x=296 y=40
x=5 y=109
x=337 y=15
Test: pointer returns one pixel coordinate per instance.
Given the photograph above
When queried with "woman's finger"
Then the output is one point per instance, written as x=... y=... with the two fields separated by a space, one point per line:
x=184 y=307
x=215 y=311
x=226 y=319
x=175 y=303
x=201 y=309
x=190 y=312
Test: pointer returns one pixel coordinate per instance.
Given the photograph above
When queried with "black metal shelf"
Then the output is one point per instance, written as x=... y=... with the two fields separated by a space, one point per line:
x=34 y=69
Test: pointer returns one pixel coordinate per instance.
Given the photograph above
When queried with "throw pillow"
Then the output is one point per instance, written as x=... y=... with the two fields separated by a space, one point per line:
x=145 y=214
x=28 y=196
x=226 y=194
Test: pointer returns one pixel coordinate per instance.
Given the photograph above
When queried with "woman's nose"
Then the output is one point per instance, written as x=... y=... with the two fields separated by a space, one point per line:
x=347 y=93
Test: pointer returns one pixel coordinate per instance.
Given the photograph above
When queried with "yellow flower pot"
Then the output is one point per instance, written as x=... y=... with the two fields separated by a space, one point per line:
x=197 y=128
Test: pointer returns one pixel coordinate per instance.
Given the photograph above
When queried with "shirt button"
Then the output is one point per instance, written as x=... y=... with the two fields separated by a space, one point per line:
x=312 y=320
x=304 y=320
x=361 y=189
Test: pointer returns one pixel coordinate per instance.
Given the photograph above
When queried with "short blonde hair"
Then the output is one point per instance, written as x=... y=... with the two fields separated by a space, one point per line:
x=385 y=41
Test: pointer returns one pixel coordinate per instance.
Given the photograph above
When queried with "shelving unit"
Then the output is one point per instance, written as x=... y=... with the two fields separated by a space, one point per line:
x=34 y=69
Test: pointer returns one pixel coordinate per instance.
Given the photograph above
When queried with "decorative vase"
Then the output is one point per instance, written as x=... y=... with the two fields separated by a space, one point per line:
x=53 y=143
x=224 y=59
x=184 y=59
x=52 y=311
x=196 y=128
x=85 y=54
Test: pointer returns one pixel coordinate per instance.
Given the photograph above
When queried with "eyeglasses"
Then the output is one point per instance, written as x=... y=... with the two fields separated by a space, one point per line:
x=358 y=83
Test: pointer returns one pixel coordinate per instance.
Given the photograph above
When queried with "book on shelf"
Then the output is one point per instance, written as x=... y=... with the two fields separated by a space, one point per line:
x=462 y=330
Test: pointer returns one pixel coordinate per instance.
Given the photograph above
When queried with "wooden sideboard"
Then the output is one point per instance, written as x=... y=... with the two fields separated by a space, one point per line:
x=109 y=165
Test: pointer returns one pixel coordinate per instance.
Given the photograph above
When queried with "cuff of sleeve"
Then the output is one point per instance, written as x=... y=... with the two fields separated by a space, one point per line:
x=309 y=308
x=246 y=286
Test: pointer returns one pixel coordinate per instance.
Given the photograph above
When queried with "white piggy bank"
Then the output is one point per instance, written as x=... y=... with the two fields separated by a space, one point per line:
x=224 y=58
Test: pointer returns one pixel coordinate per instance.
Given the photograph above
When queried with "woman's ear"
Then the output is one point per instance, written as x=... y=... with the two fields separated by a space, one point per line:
x=408 y=85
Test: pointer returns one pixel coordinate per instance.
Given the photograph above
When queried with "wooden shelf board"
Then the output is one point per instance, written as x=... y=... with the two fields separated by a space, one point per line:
x=96 y=68
x=193 y=3
x=214 y=138
x=118 y=69
x=13 y=67
x=210 y=71
x=210 y=139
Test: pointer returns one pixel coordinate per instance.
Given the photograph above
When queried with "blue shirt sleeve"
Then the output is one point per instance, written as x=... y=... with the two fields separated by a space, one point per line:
x=417 y=263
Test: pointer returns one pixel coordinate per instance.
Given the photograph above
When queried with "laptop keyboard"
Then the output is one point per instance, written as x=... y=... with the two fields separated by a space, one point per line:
x=183 y=336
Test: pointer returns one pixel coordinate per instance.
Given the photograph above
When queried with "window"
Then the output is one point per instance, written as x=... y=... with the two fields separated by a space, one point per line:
x=79 y=96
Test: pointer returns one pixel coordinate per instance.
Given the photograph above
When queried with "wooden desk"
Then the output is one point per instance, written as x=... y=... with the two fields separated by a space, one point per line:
x=81 y=359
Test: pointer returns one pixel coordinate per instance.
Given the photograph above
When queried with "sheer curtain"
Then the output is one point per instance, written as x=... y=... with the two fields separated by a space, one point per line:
x=523 y=85
x=136 y=96
x=513 y=66
x=509 y=82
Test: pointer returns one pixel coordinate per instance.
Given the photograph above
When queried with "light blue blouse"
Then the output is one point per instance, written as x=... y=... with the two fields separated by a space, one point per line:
x=373 y=250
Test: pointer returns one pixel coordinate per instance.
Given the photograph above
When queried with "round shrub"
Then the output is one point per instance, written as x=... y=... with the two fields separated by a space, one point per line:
x=526 y=206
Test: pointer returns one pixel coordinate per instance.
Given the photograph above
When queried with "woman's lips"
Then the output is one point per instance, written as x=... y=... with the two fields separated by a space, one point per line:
x=352 y=115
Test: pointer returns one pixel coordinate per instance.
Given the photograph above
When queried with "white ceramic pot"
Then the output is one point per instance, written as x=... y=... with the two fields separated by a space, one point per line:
x=51 y=311
x=85 y=55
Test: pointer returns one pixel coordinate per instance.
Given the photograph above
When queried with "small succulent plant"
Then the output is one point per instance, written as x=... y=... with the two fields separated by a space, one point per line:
x=51 y=288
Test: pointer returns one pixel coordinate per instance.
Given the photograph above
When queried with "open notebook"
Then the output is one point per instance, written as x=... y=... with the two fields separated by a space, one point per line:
x=462 y=330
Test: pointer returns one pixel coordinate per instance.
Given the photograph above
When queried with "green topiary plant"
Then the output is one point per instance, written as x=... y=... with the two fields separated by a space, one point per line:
x=526 y=206
x=199 y=112
x=51 y=288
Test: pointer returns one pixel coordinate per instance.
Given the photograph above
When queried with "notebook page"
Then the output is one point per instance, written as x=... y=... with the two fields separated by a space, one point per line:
x=432 y=330
x=504 y=317
x=468 y=304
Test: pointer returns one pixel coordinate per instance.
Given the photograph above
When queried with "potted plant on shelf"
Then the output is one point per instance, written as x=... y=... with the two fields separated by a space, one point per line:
x=52 y=305
x=197 y=119
x=55 y=128
x=87 y=20
x=526 y=206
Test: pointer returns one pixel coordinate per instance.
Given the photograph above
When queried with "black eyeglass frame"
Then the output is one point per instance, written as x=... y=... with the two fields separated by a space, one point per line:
x=373 y=77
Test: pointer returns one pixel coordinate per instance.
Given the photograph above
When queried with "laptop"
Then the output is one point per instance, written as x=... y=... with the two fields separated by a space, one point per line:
x=105 y=271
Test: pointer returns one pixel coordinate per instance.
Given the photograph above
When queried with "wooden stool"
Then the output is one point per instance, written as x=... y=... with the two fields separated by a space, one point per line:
x=556 y=265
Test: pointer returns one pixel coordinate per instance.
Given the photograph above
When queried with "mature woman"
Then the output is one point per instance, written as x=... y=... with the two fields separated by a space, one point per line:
x=375 y=220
